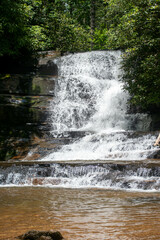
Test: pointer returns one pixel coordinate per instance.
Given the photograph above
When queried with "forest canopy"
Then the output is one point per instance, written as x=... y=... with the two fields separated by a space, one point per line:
x=27 y=26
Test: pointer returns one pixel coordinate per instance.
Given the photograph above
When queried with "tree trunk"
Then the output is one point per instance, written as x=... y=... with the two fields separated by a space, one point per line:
x=92 y=20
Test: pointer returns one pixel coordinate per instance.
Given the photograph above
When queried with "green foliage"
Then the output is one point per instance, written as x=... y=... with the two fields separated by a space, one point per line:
x=38 y=37
x=100 y=39
x=135 y=27
x=13 y=31
x=33 y=25
x=66 y=34
x=65 y=25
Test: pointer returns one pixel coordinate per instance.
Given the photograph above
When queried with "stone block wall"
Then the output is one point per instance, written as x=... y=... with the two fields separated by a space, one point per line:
x=24 y=104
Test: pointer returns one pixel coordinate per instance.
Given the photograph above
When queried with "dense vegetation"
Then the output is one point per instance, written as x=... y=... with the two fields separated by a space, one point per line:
x=135 y=27
x=27 y=26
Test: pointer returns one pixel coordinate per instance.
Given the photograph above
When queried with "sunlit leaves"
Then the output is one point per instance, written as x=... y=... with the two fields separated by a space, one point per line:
x=135 y=27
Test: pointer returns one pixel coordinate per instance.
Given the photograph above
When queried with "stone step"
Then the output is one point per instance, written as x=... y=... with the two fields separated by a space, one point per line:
x=147 y=163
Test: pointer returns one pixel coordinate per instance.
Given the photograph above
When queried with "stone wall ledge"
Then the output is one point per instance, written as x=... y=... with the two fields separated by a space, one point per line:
x=26 y=91
x=27 y=84
x=39 y=102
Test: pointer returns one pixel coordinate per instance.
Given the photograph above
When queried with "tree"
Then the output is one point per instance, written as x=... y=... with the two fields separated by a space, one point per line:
x=134 y=26
x=92 y=19
x=14 y=38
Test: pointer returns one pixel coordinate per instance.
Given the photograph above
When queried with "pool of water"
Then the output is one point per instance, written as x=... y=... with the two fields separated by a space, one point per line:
x=88 y=214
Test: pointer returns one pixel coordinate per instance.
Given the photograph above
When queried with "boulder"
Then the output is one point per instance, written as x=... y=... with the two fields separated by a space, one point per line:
x=154 y=155
x=41 y=235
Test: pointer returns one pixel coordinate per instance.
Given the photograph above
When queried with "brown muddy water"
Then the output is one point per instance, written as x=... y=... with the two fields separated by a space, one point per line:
x=88 y=214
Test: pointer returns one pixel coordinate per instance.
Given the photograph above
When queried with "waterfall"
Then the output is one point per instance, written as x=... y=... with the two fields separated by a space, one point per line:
x=89 y=95
x=89 y=98
x=91 y=123
x=117 y=176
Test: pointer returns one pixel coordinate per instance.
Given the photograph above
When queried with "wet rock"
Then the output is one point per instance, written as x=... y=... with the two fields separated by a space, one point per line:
x=46 y=56
x=38 y=181
x=25 y=95
x=147 y=184
x=49 y=68
x=41 y=235
x=27 y=84
x=42 y=181
x=126 y=184
x=155 y=120
x=45 y=238
x=154 y=155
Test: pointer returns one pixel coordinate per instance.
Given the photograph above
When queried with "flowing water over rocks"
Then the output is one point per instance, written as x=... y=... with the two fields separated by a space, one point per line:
x=90 y=100
x=118 y=176
x=95 y=177
x=91 y=122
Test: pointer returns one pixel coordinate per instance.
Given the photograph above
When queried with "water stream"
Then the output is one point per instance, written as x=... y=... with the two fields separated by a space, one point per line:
x=101 y=183
x=80 y=213
x=90 y=109
x=90 y=98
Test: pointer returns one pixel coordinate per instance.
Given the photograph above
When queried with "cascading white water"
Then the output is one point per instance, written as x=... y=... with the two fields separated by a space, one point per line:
x=137 y=177
x=89 y=97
